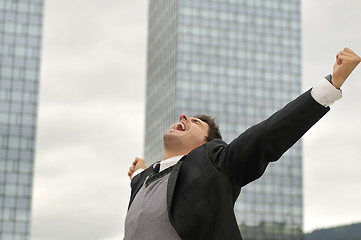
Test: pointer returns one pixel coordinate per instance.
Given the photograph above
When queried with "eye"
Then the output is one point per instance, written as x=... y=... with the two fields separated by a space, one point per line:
x=196 y=121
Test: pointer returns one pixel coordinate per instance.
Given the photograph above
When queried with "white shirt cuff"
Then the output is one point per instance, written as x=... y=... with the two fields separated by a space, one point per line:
x=137 y=172
x=325 y=93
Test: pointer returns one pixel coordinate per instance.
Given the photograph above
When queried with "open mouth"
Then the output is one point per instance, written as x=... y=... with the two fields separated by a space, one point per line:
x=180 y=127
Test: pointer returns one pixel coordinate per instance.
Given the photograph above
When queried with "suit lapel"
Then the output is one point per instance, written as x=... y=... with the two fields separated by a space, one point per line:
x=137 y=183
x=171 y=185
x=138 y=180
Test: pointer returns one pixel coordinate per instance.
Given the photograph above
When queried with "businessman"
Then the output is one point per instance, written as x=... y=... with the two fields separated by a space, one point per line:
x=190 y=194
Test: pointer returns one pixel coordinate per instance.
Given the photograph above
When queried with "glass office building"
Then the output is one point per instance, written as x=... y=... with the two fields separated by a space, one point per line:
x=20 y=41
x=239 y=61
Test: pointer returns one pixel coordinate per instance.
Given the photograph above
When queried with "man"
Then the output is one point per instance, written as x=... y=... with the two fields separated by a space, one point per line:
x=191 y=193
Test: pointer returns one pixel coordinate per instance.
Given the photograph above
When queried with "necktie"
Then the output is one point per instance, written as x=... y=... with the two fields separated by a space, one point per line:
x=152 y=177
x=156 y=168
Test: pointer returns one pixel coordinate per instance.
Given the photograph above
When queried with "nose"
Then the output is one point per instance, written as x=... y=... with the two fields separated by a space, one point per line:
x=183 y=116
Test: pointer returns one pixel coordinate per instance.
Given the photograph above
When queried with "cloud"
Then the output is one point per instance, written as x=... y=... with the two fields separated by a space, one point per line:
x=90 y=118
x=332 y=147
x=94 y=51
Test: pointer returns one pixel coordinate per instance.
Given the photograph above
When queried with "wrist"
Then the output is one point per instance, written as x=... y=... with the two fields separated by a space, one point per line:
x=332 y=81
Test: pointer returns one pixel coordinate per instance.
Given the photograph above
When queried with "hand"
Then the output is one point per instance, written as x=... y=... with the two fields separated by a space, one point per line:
x=346 y=61
x=137 y=164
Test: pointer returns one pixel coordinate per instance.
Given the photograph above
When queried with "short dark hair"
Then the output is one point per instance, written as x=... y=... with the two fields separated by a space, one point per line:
x=213 y=131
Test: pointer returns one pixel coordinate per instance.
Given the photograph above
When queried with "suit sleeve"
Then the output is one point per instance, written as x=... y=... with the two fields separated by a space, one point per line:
x=245 y=159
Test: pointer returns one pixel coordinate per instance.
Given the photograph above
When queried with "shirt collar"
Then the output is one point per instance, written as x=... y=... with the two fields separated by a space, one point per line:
x=169 y=162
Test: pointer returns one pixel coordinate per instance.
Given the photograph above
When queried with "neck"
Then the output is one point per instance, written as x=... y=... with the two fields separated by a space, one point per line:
x=169 y=154
x=175 y=149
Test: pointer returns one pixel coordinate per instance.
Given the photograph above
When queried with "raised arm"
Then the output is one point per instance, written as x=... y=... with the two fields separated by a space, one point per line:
x=246 y=158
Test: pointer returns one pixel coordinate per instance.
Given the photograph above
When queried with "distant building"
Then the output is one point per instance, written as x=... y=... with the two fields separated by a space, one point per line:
x=345 y=232
x=237 y=60
x=20 y=43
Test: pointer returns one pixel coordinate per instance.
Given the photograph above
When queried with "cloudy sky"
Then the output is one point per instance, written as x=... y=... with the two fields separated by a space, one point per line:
x=91 y=117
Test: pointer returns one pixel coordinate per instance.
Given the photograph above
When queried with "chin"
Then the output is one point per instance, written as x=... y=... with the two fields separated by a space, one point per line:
x=172 y=137
x=170 y=134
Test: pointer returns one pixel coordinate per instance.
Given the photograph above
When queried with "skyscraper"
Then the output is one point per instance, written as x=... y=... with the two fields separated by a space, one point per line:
x=20 y=41
x=239 y=61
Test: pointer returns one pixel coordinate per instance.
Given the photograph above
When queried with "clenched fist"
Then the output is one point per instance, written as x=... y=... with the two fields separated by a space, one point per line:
x=137 y=164
x=346 y=61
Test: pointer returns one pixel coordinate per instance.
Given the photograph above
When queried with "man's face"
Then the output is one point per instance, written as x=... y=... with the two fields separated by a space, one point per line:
x=189 y=132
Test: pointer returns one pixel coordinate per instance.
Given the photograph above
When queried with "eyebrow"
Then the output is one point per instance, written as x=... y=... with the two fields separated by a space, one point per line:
x=197 y=120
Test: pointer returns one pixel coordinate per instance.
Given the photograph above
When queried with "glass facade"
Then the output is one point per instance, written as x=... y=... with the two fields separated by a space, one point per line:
x=20 y=41
x=239 y=61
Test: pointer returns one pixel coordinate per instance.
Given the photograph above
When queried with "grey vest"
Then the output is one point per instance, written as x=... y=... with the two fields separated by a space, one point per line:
x=147 y=217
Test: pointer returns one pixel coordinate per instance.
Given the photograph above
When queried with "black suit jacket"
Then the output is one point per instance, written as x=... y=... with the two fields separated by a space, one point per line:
x=204 y=185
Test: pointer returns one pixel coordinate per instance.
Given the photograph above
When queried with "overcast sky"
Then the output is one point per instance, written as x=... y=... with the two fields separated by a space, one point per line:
x=91 y=117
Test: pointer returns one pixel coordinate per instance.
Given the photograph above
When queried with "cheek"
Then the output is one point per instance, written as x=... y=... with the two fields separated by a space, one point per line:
x=201 y=136
x=198 y=136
